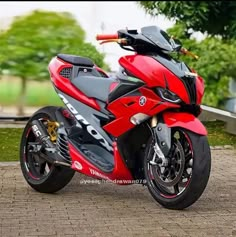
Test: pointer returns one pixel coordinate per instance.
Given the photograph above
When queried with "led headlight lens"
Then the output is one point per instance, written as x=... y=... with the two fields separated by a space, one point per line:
x=168 y=95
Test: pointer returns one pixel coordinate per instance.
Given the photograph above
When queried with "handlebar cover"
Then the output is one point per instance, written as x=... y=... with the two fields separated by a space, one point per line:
x=107 y=37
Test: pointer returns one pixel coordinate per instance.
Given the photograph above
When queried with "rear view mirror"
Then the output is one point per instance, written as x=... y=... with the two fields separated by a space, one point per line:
x=177 y=45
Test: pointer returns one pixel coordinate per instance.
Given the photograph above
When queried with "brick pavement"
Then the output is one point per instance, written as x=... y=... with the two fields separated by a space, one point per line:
x=112 y=210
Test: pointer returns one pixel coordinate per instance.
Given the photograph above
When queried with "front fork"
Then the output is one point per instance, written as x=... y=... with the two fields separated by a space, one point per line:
x=162 y=137
x=161 y=129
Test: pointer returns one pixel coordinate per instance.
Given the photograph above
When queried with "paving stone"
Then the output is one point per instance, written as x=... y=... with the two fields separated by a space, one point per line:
x=111 y=210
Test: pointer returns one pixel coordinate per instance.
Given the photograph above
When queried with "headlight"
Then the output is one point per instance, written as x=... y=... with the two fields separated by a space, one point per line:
x=168 y=95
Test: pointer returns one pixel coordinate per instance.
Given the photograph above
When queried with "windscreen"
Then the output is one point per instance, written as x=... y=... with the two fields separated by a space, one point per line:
x=158 y=37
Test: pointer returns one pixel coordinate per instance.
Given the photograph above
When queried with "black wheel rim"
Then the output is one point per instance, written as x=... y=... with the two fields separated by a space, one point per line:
x=36 y=167
x=171 y=181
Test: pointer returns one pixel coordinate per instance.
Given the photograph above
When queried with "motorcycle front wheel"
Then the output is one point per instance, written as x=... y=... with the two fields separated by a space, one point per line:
x=179 y=182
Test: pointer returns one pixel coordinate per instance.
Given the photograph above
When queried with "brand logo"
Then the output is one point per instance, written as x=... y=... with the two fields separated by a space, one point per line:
x=78 y=166
x=142 y=100
x=91 y=130
x=94 y=172
x=36 y=130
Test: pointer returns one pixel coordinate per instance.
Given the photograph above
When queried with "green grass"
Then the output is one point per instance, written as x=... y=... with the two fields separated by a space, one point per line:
x=217 y=136
x=10 y=142
x=37 y=93
x=10 y=139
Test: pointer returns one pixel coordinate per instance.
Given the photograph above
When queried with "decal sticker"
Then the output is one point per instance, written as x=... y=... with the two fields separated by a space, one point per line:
x=36 y=130
x=94 y=172
x=91 y=130
x=78 y=165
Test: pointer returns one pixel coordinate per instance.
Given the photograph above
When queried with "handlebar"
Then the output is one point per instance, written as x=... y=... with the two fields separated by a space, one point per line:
x=107 y=37
x=186 y=52
x=111 y=38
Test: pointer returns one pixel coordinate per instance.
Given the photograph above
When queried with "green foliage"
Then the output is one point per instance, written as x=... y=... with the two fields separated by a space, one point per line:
x=213 y=17
x=32 y=40
x=216 y=63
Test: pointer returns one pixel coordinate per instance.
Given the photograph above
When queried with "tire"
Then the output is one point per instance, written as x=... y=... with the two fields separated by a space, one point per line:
x=54 y=178
x=196 y=182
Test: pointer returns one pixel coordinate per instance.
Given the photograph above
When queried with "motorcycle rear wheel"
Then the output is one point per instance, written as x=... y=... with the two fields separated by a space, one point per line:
x=39 y=174
x=180 y=183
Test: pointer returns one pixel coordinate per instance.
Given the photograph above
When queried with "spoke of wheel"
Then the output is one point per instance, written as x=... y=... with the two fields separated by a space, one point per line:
x=176 y=188
x=173 y=173
x=42 y=167
x=186 y=175
x=188 y=157
x=182 y=139
x=149 y=151
x=188 y=166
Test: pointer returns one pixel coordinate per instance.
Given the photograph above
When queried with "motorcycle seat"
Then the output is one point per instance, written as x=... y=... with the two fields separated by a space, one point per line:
x=94 y=87
x=76 y=60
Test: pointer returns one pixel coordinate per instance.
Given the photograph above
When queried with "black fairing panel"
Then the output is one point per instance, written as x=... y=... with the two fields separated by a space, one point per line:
x=89 y=119
x=124 y=87
x=76 y=60
x=94 y=87
x=178 y=68
x=87 y=135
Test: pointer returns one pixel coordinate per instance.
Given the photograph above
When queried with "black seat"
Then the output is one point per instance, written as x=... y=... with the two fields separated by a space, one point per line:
x=94 y=87
x=76 y=60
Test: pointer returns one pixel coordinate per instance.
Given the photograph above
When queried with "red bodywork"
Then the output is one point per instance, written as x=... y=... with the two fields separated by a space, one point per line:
x=120 y=173
x=64 y=85
x=154 y=75
x=184 y=120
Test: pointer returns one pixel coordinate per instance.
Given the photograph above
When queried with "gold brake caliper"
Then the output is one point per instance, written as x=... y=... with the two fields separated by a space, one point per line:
x=52 y=130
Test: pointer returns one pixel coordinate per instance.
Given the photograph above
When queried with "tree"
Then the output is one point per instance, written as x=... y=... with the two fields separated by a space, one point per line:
x=32 y=40
x=216 y=63
x=212 y=17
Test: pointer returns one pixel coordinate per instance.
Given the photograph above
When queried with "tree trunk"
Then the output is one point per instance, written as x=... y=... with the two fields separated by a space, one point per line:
x=22 y=96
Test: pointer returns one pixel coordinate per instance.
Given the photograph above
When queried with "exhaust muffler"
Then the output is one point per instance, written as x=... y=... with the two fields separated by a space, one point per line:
x=41 y=133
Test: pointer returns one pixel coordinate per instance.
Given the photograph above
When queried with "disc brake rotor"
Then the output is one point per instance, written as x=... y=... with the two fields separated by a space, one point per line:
x=171 y=174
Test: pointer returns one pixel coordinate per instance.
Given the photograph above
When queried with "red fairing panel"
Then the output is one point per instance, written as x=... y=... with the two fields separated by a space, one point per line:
x=125 y=107
x=184 y=120
x=154 y=74
x=64 y=85
x=200 y=89
x=120 y=173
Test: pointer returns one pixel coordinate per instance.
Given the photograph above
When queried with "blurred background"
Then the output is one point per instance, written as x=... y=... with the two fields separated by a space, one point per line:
x=31 y=33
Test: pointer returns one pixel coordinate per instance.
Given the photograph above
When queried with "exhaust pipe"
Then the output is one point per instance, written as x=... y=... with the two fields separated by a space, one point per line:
x=41 y=133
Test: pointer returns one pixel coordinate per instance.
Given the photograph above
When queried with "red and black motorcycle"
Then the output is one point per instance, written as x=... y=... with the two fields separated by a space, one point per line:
x=138 y=127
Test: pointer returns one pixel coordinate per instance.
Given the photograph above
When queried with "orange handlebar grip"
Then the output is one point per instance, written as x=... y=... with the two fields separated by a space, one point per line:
x=107 y=37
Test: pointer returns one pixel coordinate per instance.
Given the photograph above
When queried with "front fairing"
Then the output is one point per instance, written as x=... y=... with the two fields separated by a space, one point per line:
x=154 y=74
x=158 y=71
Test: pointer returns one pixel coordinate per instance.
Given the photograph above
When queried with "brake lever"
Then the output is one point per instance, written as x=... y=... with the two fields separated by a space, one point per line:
x=186 y=52
x=119 y=41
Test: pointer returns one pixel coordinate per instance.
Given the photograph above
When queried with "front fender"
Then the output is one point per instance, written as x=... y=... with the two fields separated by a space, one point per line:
x=184 y=120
